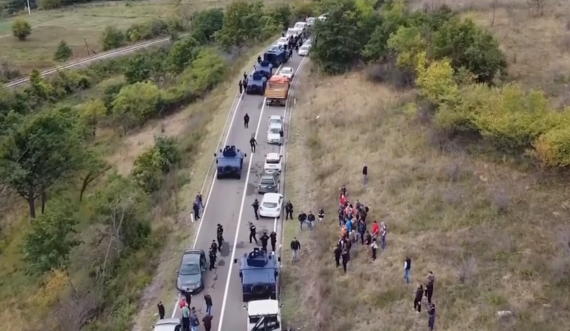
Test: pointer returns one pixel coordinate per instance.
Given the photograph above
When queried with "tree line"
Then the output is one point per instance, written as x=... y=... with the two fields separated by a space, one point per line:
x=50 y=158
x=458 y=67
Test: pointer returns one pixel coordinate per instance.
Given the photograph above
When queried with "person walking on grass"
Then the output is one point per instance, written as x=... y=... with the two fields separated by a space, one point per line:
x=431 y=317
x=364 y=175
x=418 y=298
x=374 y=249
x=429 y=286
x=337 y=252
x=295 y=247
x=288 y=210
x=311 y=219
x=321 y=215
x=407 y=268
x=383 y=232
x=345 y=255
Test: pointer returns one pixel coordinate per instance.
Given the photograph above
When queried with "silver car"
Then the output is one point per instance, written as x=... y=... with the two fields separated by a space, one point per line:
x=168 y=324
x=304 y=50
x=268 y=183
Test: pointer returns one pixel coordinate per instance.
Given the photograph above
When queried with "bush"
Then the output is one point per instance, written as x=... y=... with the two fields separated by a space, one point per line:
x=436 y=81
x=112 y=38
x=50 y=4
x=152 y=29
x=63 y=52
x=553 y=147
x=150 y=166
x=21 y=29
x=135 y=104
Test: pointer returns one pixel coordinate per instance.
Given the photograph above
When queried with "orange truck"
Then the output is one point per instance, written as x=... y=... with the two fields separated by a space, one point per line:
x=277 y=90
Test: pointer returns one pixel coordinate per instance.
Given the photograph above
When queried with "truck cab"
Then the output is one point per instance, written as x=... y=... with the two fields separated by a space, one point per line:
x=229 y=162
x=265 y=68
x=256 y=83
x=263 y=315
x=258 y=273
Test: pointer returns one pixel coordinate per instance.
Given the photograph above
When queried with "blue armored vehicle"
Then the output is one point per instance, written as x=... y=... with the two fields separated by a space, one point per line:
x=277 y=55
x=229 y=162
x=256 y=84
x=258 y=272
x=265 y=68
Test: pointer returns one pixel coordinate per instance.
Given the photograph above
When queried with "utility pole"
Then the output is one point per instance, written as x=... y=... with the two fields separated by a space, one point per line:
x=29 y=9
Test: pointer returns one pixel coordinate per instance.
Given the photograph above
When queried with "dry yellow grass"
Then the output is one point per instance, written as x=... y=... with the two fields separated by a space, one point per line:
x=494 y=236
x=536 y=43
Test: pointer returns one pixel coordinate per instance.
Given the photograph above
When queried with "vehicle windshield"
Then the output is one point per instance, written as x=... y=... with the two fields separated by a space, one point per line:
x=267 y=180
x=253 y=319
x=274 y=130
x=286 y=71
x=272 y=161
x=189 y=269
x=274 y=120
x=269 y=204
x=305 y=48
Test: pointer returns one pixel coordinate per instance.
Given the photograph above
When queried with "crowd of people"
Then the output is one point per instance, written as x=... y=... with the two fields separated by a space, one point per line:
x=354 y=231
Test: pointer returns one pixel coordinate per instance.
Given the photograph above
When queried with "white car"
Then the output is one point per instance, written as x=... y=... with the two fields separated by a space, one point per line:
x=168 y=324
x=270 y=205
x=300 y=25
x=287 y=72
x=282 y=41
x=272 y=163
x=276 y=119
x=304 y=50
x=263 y=315
x=323 y=17
x=311 y=21
x=273 y=133
x=292 y=32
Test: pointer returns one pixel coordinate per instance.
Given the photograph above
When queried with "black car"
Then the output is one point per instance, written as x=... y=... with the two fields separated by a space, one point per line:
x=192 y=271
x=268 y=183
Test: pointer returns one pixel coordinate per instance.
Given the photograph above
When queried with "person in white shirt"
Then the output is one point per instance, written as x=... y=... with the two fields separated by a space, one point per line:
x=374 y=248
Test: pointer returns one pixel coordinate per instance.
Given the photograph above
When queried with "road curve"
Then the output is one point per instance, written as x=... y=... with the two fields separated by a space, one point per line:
x=97 y=57
x=229 y=203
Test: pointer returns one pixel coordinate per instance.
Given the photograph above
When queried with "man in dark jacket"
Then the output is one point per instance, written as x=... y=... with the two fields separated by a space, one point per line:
x=161 y=312
x=302 y=219
x=418 y=298
x=246 y=121
x=288 y=210
x=273 y=240
x=255 y=206
x=208 y=301
x=311 y=219
x=252 y=233
x=295 y=247
x=264 y=240
x=207 y=320
x=361 y=227
x=337 y=251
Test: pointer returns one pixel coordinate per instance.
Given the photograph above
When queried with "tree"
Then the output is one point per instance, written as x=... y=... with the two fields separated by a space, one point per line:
x=135 y=104
x=206 y=23
x=48 y=244
x=337 y=39
x=37 y=153
x=469 y=46
x=138 y=69
x=241 y=24
x=408 y=43
x=91 y=113
x=282 y=15
x=182 y=54
x=21 y=29
x=112 y=38
x=93 y=167
x=63 y=52
x=151 y=165
x=436 y=81
x=39 y=90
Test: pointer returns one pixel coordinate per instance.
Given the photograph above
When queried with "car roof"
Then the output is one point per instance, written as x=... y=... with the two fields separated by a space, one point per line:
x=271 y=197
x=287 y=69
x=191 y=256
x=275 y=125
x=276 y=117
x=262 y=307
x=273 y=156
x=167 y=324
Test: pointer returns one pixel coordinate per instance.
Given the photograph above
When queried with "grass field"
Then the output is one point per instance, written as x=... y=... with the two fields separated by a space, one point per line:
x=494 y=236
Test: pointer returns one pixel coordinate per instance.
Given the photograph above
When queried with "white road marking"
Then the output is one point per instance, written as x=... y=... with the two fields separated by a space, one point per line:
x=225 y=297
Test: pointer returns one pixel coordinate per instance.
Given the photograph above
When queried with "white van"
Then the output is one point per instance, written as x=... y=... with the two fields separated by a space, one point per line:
x=263 y=315
x=292 y=32
x=300 y=25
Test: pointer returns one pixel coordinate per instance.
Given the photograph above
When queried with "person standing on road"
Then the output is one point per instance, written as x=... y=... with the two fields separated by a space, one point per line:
x=194 y=321
x=311 y=219
x=185 y=318
x=212 y=260
x=255 y=206
x=245 y=86
x=245 y=75
x=220 y=236
x=288 y=210
x=418 y=298
x=214 y=246
x=407 y=268
x=273 y=239
x=208 y=301
x=207 y=320
x=161 y=311
x=252 y=233
x=295 y=247
x=253 y=143
x=264 y=240
x=281 y=134
x=240 y=85
x=187 y=296
x=364 y=175
x=246 y=121
x=196 y=209
x=258 y=59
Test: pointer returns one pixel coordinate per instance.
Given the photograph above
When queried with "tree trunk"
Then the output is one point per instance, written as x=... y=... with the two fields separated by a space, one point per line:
x=84 y=185
x=32 y=205
x=44 y=199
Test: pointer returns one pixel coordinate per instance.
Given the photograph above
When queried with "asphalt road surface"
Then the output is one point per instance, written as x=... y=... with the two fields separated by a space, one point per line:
x=229 y=204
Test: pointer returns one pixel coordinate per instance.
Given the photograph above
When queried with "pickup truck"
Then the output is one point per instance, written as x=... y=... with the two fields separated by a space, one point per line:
x=277 y=90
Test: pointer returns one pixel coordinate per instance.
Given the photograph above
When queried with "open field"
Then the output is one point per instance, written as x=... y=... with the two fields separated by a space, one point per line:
x=82 y=24
x=495 y=237
x=536 y=42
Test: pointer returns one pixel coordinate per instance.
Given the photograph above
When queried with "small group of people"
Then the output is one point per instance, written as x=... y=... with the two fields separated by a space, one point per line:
x=425 y=291
x=265 y=238
x=309 y=218
x=198 y=206
x=190 y=320
x=242 y=84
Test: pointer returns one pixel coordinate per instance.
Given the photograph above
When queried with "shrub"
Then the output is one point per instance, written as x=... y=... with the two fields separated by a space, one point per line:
x=50 y=4
x=149 y=29
x=112 y=38
x=21 y=29
x=135 y=104
x=553 y=147
x=151 y=165
x=436 y=81
x=206 y=72
x=63 y=52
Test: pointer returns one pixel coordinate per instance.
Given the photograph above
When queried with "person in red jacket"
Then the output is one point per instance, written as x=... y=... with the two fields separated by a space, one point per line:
x=375 y=229
x=342 y=200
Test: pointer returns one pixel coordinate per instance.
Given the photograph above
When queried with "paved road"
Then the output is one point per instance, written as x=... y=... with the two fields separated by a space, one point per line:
x=229 y=203
x=97 y=57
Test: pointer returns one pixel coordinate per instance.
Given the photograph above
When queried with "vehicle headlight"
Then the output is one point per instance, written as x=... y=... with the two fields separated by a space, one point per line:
x=278 y=209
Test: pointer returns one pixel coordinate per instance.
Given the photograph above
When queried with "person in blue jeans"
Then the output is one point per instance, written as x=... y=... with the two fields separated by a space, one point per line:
x=383 y=231
x=208 y=300
x=431 y=317
x=194 y=321
x=407 y=267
